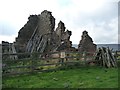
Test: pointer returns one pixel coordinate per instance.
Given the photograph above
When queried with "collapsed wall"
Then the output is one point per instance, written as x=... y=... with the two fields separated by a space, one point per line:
x=25 y=33
x=86 y=43
x=39 y=35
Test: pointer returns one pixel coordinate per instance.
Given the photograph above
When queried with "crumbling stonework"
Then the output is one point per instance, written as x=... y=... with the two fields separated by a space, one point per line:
x=8 y=48
x=25 y=33
x=40 y=35
x=86 y=43
x=64 y=37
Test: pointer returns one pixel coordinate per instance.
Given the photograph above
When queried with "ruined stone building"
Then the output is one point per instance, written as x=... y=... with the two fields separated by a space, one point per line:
x=39 y=35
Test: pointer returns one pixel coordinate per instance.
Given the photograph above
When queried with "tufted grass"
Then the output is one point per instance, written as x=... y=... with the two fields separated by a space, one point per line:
x=84 y=77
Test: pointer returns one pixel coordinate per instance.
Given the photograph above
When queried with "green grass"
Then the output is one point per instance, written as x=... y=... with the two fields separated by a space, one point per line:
x=84 y=77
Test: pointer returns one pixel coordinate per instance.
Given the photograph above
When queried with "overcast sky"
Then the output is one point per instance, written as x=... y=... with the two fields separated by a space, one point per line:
x=98 y=17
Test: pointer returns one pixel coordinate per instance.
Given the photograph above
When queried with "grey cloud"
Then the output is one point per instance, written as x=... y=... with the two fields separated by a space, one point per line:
x=103 y=32
x=108 y=12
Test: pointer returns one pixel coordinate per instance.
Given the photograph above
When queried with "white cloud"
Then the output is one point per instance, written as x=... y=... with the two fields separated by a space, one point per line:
x=106 y=32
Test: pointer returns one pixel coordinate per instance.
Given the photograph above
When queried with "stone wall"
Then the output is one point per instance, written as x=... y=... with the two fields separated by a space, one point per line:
x=8 y=48
x=25 y=33
x=40 y=35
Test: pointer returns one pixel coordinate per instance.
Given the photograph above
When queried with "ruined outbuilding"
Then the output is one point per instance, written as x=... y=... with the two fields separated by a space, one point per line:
x=40 y=35
x=86 y=43
x=8 y=48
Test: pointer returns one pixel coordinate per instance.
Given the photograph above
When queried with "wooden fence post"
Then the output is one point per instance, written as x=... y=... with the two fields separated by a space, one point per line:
x=62 y=57
x=79 y=55
x=85 y=57
x=34 y=59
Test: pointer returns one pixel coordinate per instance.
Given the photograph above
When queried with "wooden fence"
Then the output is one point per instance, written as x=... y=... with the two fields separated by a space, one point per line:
x=39 y=62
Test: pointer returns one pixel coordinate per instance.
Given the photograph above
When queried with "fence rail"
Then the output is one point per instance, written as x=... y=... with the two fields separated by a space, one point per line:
x=42 y=62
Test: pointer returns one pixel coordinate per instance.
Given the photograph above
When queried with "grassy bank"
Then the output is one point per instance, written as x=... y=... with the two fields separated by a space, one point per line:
x=92 y=77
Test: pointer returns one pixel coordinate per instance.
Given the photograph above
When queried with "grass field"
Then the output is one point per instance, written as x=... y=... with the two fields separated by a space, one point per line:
x=84 y=77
